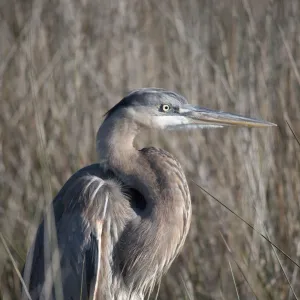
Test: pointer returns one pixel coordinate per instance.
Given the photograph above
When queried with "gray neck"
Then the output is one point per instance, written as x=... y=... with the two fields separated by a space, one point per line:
x=168 y=202
x=115 y=142
x=115 y=148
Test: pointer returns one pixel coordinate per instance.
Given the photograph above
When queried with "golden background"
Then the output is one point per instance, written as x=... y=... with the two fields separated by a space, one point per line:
x=64 y=63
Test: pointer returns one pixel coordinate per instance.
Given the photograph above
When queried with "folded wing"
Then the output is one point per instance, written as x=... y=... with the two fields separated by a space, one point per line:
x=64 y=261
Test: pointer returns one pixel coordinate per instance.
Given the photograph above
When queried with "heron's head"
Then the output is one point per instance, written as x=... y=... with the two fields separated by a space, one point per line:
x=162 y=109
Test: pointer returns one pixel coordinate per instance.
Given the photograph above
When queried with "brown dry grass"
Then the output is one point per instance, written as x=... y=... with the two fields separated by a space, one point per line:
x=64 y=63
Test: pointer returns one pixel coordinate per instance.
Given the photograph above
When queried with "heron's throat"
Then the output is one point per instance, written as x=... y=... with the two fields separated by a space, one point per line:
x=115 y=139
x=117 y=153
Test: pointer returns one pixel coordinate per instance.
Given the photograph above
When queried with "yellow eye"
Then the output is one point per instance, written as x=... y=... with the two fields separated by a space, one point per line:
x=165 y=107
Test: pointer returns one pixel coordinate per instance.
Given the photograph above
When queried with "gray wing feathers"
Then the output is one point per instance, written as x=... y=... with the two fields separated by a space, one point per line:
x=68 y=265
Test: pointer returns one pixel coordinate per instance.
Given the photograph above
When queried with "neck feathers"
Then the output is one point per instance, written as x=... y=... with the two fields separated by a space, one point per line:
x=158 y=176
x=115 y=139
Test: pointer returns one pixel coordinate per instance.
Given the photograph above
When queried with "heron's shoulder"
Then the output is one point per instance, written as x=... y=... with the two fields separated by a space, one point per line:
x=93 y=176
x=90 y=187
x=94 y=170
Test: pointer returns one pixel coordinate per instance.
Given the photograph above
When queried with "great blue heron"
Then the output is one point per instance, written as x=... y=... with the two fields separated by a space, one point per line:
x=120 y=223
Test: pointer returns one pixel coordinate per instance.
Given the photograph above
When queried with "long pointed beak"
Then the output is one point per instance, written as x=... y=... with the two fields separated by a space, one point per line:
x=202 y=117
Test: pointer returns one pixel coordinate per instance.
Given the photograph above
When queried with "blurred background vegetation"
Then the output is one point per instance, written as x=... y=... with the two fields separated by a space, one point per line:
x=63 y=63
